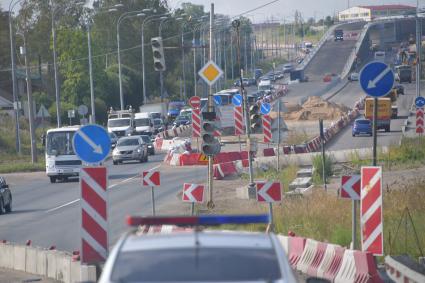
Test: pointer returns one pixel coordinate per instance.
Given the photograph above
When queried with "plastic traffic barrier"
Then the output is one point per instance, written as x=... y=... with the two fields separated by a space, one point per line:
x=400 y=273
x=347 y=271
x=366 y=271
x=317 y=259
x=296 y=248
x=224 y=169
x=269 y=152
x=308 y=255
x=331 y=262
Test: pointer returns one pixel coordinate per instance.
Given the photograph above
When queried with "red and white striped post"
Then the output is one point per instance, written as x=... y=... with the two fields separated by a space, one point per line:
x=239 y=124
x=371 y=210
x=419 y=121
x=267 y=128
x=196 y=125
x=94 y=214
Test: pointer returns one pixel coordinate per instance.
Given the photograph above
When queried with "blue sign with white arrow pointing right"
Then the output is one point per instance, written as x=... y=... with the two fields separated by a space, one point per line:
x=237 y=100
x=420 y=101
x=217 y=100
x=376 y=79
x=265 y=108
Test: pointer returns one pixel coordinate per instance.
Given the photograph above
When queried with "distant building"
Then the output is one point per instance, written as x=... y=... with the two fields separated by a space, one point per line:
x=368 y=13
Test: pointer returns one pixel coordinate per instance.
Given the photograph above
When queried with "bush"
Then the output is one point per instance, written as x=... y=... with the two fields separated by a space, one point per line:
x=318 y=167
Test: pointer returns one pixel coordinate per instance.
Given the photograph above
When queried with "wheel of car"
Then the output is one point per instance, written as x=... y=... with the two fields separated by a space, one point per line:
x=52 y=179
x=8 y=207
x=1 y=207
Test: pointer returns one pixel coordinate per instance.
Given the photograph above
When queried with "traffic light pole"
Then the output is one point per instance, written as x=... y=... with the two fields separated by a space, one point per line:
x=251 y=185
x=210 y=203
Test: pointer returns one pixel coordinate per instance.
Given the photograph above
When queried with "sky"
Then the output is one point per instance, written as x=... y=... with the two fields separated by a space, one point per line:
x=286 y=8
x=278 y=9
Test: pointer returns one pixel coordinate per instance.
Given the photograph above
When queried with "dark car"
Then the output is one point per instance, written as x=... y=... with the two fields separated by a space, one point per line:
x=181 y=120
x=362 y=127
x=149 y=142
x=399 y=89
x=113 y=138
x=5 y=197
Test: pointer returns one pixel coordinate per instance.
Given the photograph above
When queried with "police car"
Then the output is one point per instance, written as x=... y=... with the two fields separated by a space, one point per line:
x=193 y=255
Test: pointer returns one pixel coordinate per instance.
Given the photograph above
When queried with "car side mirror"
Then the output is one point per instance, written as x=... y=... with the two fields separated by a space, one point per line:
x=43 y=140
x=5 y=186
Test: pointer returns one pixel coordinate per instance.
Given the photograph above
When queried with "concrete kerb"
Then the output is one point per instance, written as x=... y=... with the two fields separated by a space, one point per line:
x=53 y=264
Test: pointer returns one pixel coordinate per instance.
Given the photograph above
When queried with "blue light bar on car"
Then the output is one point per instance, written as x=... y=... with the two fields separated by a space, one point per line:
x=204 y=220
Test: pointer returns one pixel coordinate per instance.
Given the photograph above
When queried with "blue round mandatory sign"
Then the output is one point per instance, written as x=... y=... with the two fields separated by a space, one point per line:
x=91 y=143
x=217 y=99
x=237 y=100
x=420 y=101
x=265 y=108
x=376 y=79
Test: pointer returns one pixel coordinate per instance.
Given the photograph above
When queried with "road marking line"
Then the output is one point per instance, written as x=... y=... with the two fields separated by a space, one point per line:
x=63 y=205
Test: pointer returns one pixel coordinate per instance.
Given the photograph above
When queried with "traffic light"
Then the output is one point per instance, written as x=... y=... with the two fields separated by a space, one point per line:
x=210 y=144
x=254 y=118
x=158 y=54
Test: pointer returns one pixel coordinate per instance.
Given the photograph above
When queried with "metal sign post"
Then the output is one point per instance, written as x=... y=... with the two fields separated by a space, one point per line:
x=322 y=142
x=376 y=80
x=269 y=192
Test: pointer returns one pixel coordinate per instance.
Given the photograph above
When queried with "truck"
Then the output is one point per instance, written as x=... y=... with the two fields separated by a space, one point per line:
x=404 y=73
x=174 y=108
x=61 y=160
x=384 y=112
x=339 y=35
x=143 y=124
x=121 y=122
x=156 y=110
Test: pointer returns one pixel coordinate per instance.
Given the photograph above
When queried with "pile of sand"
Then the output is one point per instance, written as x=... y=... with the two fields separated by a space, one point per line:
x=315 y=108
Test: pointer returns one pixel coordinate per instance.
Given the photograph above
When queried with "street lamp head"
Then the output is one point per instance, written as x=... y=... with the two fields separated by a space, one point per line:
x=146 y=10
x=179 y=19
x=141 y=15
x=112 y=10
x=118 y=6
x=163 y=18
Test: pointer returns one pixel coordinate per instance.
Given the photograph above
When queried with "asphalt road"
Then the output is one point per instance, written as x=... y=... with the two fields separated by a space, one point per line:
x=344 y=140
x=49 y=214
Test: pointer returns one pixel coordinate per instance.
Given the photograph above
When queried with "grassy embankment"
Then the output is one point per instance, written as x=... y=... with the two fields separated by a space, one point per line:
x=10 y=161
x=325 y=217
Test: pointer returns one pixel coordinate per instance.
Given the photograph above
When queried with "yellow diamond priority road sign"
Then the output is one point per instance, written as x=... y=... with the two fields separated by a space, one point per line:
x=210 y=73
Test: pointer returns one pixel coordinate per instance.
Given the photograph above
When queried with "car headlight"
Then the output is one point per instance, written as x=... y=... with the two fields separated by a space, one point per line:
x=150 y=146
x=139 y=150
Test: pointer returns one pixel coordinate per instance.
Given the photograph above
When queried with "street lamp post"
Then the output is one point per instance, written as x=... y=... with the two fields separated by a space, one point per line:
x=14 y=83
x=120 y=19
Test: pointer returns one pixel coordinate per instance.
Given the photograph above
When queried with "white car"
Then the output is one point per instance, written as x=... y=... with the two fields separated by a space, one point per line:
x=353 y=77
x=197 y=256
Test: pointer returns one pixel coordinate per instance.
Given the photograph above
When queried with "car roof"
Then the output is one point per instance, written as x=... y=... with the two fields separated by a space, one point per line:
x=206 y=239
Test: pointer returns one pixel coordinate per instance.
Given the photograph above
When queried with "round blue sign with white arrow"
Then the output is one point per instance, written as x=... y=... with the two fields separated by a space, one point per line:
x=420 y=101
x=265 y=108
x=237 y=100
x=376 y=79
x=91 y=143
x=217 y=99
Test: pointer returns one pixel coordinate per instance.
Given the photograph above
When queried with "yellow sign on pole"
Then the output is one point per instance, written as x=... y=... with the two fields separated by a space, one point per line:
x=210 y=73
x=203 y=158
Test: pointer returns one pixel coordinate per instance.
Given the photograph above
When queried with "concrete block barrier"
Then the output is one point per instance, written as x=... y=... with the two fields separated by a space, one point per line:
x=47 y=263
x=402 y=269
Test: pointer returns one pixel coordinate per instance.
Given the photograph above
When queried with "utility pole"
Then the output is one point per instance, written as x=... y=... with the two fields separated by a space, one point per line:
x=30 y=103
x=210 y=203
x=194 y=63
x=251 y=185
x=183 y=64
x=225 y=57
x=278 y=136
x=55 y=69
x=245 y=58
x=231 y=57
x=14 y=83
x=418 y=50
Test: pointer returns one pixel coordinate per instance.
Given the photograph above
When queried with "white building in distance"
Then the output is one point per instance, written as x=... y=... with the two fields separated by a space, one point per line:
x=368 y=13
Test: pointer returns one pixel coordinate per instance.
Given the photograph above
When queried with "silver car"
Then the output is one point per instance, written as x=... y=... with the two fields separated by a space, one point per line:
x=197 y=256
x=130 y=148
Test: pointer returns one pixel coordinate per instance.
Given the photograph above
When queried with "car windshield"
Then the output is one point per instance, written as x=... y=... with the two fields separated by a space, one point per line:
x=119 y=122
x=155 y=115
x=182 y=118
x=60 y=143
x=363 y=122
x=142 y=122
x=146 y=139
x=204 y=264
x=157 y=122
x=175 y=106
x=128 y=141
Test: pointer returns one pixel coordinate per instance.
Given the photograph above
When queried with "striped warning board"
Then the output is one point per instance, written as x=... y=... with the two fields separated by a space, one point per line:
x=239 y=125
x=196 y=123
x=371 y=210
x=94 y=214
x=350 y=187
x=419 y=120
x=267 y=128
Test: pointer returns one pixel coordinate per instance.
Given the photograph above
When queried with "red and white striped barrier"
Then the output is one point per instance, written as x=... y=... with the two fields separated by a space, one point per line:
x=267 y=128
x=196 y=123
x=400 y=273
x=239 y=124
